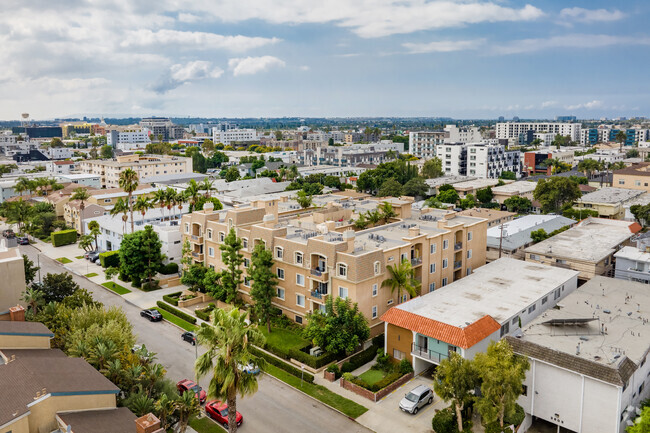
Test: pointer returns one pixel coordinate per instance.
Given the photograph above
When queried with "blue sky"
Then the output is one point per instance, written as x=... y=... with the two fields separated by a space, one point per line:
x=273 y=58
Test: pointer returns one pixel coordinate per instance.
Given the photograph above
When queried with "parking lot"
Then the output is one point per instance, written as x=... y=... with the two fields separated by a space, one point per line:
x=386 y=416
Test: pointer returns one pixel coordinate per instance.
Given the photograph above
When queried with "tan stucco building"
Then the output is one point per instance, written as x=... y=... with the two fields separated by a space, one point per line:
x=12 y=283
x=146 y=166
x=636 y=176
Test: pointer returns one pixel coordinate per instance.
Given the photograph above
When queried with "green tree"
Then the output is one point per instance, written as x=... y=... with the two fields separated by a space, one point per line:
x=642 y=423
x=361 y=222
x=454 y=381
x=207 y=146
x=232 y=257
x=232 y=174
x=303 y=199
x=632 y=153
x=194 y=277
x=432 y=168
x=128 y=181
x=416 y=187
x=502 y=374
x=81 y=194
x=448 y=196
x=228 y=343
x=517 y=204
x=34 y=299
x=588 y=167
x=390 y=188
x=556 y=192
x=373 y=216
x=86 y=243
x=142 y=205
x=120 y=207
x=620 y=138
x=264 y=286
x=93 y=226
x=508 y=175
x=538 y=235
x=140 y=255
x=387 y=212
x=30 y=269
x=402 y=279
x=340 y=329
x=106 y=152
x=56 y=287
x=485 y=195
x=536 y=143
x=468 y=202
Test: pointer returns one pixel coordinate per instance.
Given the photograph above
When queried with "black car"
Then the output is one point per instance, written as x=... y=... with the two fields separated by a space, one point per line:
x=93 y=256
x=190 y=337
x=23 y=241
x=152 y=315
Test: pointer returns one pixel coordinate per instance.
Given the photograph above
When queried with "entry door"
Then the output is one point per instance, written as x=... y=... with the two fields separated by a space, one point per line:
x=423 y=342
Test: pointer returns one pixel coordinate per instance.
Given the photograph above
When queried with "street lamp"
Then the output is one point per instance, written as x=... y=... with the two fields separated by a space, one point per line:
x=38 y=258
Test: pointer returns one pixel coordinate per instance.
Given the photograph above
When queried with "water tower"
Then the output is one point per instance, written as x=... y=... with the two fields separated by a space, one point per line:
x=25 y=121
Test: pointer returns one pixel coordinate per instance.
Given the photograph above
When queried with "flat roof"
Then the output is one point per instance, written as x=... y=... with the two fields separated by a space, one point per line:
x=78 y=176
x=618 y=333
x=633 y=253
x=519 y=187
x=516 y=233
x=475 y=184
x=499 y=289
x=610 y=195
x=452 y=179
x=120 y=419
x=489 y=214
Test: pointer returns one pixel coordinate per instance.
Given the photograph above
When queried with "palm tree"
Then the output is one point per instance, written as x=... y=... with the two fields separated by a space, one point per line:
x=53 y=185
x=228 y=341
x=165 y=408
x=402 y=278
x=192 y=193
x=114 y=371
x=34 y=299
x=129 y=183
x=373 y=216
x=621 y=137
x=206 y=186
x=536 y=143
x=387 y=211
x=22 y=185
x=588 y=167
x=160 y=197
x=187 y=406
x=182 y=197
x=293 y=172
x=282 y=172
x=94 y=231
x=102 y=354
x=121 y=207
x=142 y=205
x=170 y=195
x=82 y=195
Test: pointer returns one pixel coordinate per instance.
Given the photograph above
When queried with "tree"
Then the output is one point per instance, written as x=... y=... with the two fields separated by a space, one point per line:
x=555 y=192
x=264 y=286
x=232 y=174
x=82 y=195
x=93 y=226
x=373 y=216
x=538 y=235
x=227 y=342
x=140 y=255
x=34 y=299
x=588 y=167
x=207 y=146
x=361 y=222
x=22 y=185
x=340 y=329
x=485 y=195
x=86 y=243
x=187 y=406
x=232 y=257
x=621 y=138
x=454 y=381
x=641 y=213
x=160 y=198
x=416 y=187
x=502 y=374
x=402 y=279
x=508 y=175
x=517 y=204
x=642 y=423
x=207 y=186
x=56 y=287
x=387 y=212
x=107 y=152
x=128 y=181
x=390 y=188
x=536 y=143
x=120 y=207
x=142 y=205
x=30 y=269
x=448 y=196
x=432 y=168
x=632 y=153
x=468 y=202
x=303 y=199
x=561 y=140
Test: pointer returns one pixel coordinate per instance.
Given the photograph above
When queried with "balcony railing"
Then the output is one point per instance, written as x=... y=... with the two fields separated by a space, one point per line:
x=198 y=256
x=423 y=352
x=318 y=294
x=198 y=239
x=416 y=261
x=458 y=264
x=458 y=246
x=321 y=275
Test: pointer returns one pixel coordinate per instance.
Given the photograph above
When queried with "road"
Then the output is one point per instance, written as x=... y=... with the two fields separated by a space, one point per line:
x=276 y=407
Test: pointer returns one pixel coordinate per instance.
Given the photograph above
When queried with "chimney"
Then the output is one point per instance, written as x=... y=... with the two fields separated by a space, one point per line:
x=348 y=236
x=17 y=313
x=269 y=220
x=414 y=231
x=147 y=424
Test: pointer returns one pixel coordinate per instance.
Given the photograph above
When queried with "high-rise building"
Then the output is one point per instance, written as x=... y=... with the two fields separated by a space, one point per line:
x=484 y=160
x=423 y=143
x=162 y=127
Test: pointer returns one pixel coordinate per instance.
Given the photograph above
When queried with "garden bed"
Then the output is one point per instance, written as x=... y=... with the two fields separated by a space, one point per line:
x=116 y=288
x=381 y=393
x=64 y=260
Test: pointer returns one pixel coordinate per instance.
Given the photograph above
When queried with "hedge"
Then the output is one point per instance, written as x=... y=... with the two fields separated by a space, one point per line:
x=204 y=314
x=361 y=358
x=109 y=258
x=169 y=269
x=312 y=361
x=387 y=380
x=63 y=237
x=294 y=371
x=172 y=298
x=177 y=313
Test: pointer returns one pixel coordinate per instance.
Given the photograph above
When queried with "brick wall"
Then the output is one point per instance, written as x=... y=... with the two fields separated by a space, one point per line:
x=375 y=397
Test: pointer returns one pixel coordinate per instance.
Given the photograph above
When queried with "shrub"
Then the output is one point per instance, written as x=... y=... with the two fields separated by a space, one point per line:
x=334 y=368
x=348 y=376
x=169 y=269
x=172 y=298
x=312 y=361
x=405 y=366
x=204 y=313
x=383 y=360
x=307 y=377
x=151 y=286
x=494 y=427
x=378 y=340
x=363 y=357
x=64 y=237
x=110 y=258
x=444 y=421
x=347 y=367
x=517 y=417
x=176 y=312
x=387 y=380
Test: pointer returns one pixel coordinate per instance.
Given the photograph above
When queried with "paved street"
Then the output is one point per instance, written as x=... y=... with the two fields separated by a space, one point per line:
x=276 y=407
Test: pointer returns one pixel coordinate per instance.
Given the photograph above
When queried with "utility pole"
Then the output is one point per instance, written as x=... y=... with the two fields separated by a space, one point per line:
x=500 y=240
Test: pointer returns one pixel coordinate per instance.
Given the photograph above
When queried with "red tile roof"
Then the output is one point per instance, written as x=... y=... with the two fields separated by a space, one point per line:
x=63 y=162
x=635 y=227
x=460 y=337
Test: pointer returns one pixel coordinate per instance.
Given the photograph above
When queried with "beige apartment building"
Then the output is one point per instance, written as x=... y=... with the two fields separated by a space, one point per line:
x=317 y=252
x=145 y=165
x=12 y=283
x=636 y=176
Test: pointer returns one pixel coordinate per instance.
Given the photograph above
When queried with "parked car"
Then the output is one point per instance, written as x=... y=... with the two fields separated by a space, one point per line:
x=186 y=385
x=190 y=337
x=418 y=397
x=250 y=368
x=218 y=411
x=152 y=315
x=94 y=256
x=8 y=233
x=23 y=240
x=88 y=253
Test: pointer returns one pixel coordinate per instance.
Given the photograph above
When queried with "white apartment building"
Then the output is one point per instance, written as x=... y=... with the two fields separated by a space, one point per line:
x=423 y=143
x=230 y=136
x=124 y=140
x=60 y=167
x=467 y=134
x=545 y=137
x=349 y=155
x=145 y=166
x=481 y=160
x=507 y=130
x=58 y=152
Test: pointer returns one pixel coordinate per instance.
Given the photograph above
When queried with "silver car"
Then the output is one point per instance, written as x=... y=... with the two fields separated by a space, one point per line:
x=418 y=397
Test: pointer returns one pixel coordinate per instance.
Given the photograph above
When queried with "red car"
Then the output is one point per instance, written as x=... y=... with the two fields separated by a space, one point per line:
x=187 y=385
x=218 y=411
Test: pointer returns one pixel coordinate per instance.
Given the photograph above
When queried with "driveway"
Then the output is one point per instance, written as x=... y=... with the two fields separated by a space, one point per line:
x=386 y=416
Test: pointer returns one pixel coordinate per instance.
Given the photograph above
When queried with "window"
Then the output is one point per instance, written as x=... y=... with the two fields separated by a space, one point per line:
x=469 y=254
x=107 y=200
x=374 y=311
x=621 y=181
x=637 y=183
x=445 y=244
x=403 y=258
x=343 y=270
x=247 y=281
x=300 y=300
x=279 y=252
x=534 y=257
x=247 y=262
x=432 y=268
x=280 y=273
x=390 y=301
x=515 y=321
x=469 y=236
x=280 y=293
x=433 y=248
x=432 y=287
x=374 y=290
x=557 y=294
x=532 y=308
x=222 y=236
x=343 y=292
x=444 y=263
x=209 y=233
x=444 y=282
x=397 y=354
x=377 y=268
x=300 y=279
x=299 y=320
x=187 y=228
x=544 y=300
x=210 y=251
x=244 y=243
x=299 y=258
x=505 y=329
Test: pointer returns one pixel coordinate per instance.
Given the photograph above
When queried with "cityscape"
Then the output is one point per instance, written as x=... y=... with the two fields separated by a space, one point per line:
x=399 y=216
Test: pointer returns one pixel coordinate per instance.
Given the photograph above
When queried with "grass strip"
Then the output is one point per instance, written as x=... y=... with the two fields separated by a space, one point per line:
x=205 y=425
x=90 y=275
x=116 y=288
x=372 y=376
x=319 y=392
x=79 y=257
x=176 y=320
x=64 y=260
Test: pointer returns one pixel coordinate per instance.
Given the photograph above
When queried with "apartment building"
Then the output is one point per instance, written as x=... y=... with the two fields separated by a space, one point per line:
x=465 y=134
x=423 y=143
x=482 y=160
x=605 y=134
x=125 y=140
x=534 y=161
x=12 y=284
x=507 y=130
x=230 y=136
x=350 y=155
x=317 y=253
x=609 y=202
x=144 y=165
x=633 y=262
x=160 y=126
x=636 y=176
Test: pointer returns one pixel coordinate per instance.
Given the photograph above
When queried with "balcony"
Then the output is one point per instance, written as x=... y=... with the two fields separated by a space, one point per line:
x=197 y=239
x=318 y=294
x=416 y=261
x=458 y=264
x=318 y=274
x=458 y=246
x=423 y=352
x=198 y=256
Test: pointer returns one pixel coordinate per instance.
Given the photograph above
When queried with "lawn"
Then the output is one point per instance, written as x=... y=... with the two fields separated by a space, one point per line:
x=176 y=320
x=90 y=275
x=372 y=376
x=79 y=257
x=205 y=425
x=319 y=392
x=64 y=260
x=284 y=339
x=115 y=287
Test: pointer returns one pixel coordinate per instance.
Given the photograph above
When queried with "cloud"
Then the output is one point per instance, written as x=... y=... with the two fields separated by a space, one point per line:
x=548 y=104
x=582 y=41
x=587 y=105
x=443 y=46
x=304 y=68
x=253 y=65
x=195 y=40
x=188 y=18
x=590 y=15
x=180 y=74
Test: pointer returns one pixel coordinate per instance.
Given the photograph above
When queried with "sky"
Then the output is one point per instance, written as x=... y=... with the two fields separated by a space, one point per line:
x=324 y=58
